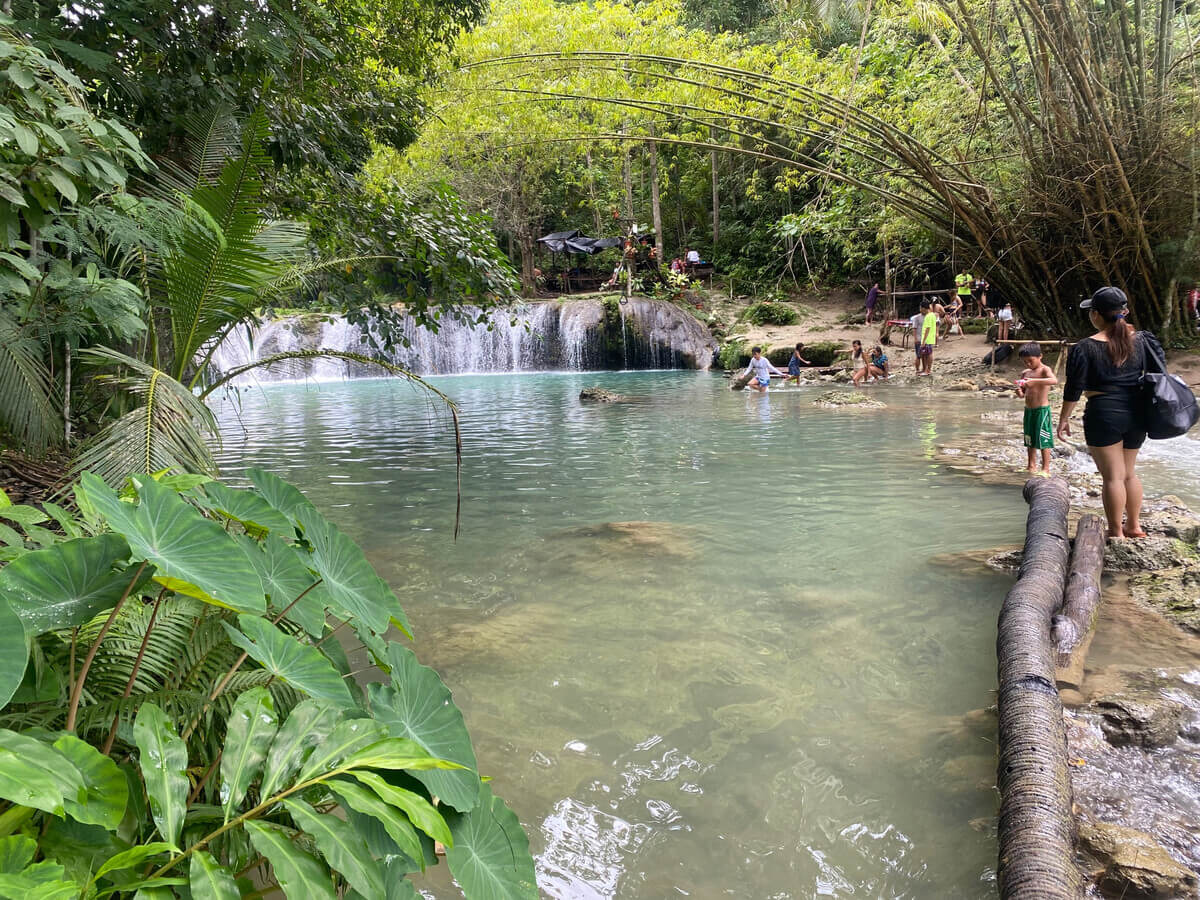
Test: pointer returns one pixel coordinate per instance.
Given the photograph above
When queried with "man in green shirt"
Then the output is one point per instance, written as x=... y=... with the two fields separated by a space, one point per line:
x=964 y=282
x=927 y=339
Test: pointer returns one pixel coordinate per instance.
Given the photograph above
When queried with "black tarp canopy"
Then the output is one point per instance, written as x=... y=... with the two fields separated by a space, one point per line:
x=574 y=242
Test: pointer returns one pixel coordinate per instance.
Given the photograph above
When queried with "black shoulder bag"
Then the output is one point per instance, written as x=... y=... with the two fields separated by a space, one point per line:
x=1169 y=404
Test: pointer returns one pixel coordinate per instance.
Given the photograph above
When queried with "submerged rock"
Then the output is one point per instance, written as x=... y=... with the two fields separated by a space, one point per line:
x=1142 y=720
x=601 y=395
x=1130 y=863
x=847 y=399
x=1173 y=592
x=964 y=384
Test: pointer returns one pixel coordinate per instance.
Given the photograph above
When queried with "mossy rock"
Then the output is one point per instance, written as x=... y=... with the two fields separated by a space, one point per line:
x=824 y=353
x=975 y=326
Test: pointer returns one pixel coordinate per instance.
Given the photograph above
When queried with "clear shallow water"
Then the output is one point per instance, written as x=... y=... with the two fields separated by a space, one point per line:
x=696 y=637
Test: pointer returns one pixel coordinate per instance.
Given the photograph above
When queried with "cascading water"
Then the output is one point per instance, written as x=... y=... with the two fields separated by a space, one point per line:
x=576 y=335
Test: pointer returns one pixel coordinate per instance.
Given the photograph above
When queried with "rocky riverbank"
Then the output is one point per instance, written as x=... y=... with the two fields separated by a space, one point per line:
x=1132 y=717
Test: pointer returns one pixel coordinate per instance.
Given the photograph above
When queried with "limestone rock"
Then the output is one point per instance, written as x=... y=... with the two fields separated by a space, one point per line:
x=964 y=384
x=1145 y=721
x=847 y=399
x=1173 y=592
x=1149 y=554
x=601 y=395
x=1130 y=863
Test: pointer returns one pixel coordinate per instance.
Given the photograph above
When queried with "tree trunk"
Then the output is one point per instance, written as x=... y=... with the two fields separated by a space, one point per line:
x=655 y=204
x=67 y=394
x=716 y=201
x=627 y=180
x=528 y=279
x=1037 y=827
x=591 y=182
x=1073 y=623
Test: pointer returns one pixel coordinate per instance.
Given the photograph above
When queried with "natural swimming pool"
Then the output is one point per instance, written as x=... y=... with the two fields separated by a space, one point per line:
x=698 y=637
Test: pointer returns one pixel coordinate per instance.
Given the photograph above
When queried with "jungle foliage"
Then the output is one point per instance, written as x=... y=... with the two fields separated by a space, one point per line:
x=178 y=710
x=1047 y=146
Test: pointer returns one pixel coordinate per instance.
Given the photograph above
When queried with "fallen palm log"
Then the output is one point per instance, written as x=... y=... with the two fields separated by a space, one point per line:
x=1071 y=627
x=1037 y=829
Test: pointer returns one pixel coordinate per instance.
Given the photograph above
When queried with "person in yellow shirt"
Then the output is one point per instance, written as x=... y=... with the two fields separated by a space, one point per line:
x=964 y=282
x=927 y=339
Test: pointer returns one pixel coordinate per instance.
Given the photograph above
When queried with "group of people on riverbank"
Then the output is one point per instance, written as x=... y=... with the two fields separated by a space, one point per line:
x=1106 y=368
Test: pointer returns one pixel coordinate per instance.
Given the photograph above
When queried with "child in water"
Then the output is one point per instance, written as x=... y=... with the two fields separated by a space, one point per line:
x=762 y=369
x=1034 y=385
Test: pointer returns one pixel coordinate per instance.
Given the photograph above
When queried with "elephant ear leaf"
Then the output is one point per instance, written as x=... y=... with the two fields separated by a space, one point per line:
x=418 y=705
x=248 y=508
x=16 y=852
x=490 y=857
x=162 y=756
x=14 y=653
x=299 y=664
x=251 y=728
x=355 y=589
x=289 y=583
x=301 y=875
x=193 y=555
x=209 y=881
x=278 y=493
x=65 y=585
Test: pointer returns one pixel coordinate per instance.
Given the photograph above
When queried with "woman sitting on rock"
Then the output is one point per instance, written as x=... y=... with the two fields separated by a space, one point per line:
x=1107 y=369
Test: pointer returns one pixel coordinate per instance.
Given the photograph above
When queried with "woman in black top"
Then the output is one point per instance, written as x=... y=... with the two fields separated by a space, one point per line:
x=1107 y=368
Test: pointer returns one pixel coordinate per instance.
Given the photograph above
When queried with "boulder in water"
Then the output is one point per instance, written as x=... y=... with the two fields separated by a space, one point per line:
x=847 y=400
x=1130 y=863
x=601 y=395
x=963 y=384
x=1143 y=720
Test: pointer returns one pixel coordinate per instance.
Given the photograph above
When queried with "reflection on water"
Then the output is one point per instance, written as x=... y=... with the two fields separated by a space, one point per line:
x=695 y=636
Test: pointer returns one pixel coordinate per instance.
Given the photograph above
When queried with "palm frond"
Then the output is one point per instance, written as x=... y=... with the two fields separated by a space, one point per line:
x=170 y=429
x=213 y=137
x=324 y=353
x=27 y=407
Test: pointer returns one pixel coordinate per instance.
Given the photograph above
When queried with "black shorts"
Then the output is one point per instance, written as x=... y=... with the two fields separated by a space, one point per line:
x=1112 y=418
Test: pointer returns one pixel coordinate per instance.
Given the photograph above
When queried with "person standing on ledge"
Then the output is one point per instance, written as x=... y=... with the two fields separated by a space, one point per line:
x=872 y=299
x=927 y=339
x=762 y=369
x=964 y=283
x=1034 y=387
x=1107 y=369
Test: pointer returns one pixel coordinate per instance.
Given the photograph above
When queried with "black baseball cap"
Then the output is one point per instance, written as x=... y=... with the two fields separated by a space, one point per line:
x=1106 y=300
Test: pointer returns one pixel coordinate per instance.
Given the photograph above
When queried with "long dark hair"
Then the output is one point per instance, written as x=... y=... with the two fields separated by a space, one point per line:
x=1120 y=338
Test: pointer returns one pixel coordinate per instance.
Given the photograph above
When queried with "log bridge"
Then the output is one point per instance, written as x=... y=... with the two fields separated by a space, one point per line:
x=1045 y=623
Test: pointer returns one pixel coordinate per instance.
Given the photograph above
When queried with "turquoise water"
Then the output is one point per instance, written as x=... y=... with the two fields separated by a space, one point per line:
x=698 y=638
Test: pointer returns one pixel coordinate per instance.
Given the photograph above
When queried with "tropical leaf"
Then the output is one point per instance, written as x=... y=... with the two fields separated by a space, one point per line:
x=34 y=774
x=162 y=757
x=193 y=555
x=134 y=856
x=41 y=881
x=209 y=881
x=16 y=852
x=14 y=652
x=170 y=428
x=490 y=857
x=300 y=665
x=246 y=507
x=301 y=875
x=419 y=810
x=106 y=790
x=250 y=729
x=278 y=493
x=418 y=705
x=355 y=591
x=67 y=584
x=341 y=846
x=288 y=583
x=398 y=828
x=307 y=726
x=348 y=737
x=28 y=408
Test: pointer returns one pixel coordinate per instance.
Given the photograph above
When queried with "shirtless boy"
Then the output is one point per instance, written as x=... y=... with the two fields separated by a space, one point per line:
x=1034 y=385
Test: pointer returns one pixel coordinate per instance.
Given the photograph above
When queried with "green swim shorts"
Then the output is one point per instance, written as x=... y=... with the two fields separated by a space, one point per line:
x=1038 y=433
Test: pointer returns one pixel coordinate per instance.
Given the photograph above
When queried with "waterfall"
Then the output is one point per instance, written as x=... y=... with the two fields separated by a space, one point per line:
x=537 y=336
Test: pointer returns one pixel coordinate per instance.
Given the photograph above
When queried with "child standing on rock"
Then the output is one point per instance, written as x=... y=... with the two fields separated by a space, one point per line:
x=1034 y=385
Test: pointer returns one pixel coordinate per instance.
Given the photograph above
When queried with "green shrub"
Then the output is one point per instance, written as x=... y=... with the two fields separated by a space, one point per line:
x=769 y=312
x=734 y=355
x=975 y=326
x=189 y=632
